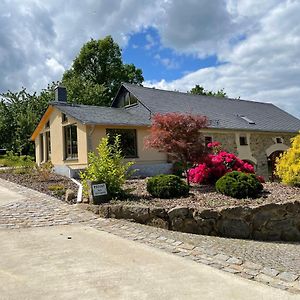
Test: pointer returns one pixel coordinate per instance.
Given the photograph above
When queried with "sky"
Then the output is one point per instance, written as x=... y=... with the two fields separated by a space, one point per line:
x=249 y=48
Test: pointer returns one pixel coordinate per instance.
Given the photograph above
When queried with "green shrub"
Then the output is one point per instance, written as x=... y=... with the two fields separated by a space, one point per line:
x=287 y=164
x=107 y=166
x=12 y=160
x=167 y=186
x=57 y=189
x=239 y=185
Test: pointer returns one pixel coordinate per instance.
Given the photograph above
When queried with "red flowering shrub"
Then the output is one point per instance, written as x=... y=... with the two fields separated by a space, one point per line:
x=217 y=164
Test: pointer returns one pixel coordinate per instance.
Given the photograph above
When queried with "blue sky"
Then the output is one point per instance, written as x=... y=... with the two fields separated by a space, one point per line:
x=249 y=48
x=146 y=51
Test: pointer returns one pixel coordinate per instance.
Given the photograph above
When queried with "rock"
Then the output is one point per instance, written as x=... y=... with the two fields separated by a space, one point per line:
x=188 y=225
x=158 y=212
x=178 y=212
x=93 y=208
x=116 y=211
x=208 y=214
x=70 y=196
x=290 y=234
x=158 y=222
x=234 y=228
x=104 y=211
x=139 y=214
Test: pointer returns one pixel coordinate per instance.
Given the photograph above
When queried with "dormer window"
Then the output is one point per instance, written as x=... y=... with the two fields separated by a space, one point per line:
x=127 y=100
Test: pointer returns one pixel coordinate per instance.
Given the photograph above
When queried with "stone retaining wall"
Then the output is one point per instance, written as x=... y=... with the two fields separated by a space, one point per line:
x=266 y=222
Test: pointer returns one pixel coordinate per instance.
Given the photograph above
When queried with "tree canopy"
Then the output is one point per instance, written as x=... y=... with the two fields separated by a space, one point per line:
x=97 y=72
x=20 y=113
x=178 y=135
x=199 y=90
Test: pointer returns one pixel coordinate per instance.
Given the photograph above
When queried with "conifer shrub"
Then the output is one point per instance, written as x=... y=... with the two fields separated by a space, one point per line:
x=239 y=185
x=288 y=164
x=167 y=186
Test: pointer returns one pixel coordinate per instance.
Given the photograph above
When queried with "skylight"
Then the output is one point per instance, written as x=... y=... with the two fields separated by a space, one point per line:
x=247 y=119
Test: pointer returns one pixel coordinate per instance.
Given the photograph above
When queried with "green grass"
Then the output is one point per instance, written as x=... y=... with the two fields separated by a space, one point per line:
x=10 y=160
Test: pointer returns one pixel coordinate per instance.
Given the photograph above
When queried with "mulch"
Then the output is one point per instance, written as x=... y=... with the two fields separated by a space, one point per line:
x=200 y=196
x=35 y=181
x=206 y=196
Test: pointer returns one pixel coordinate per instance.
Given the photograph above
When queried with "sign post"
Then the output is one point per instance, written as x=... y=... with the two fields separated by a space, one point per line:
x=97 y=192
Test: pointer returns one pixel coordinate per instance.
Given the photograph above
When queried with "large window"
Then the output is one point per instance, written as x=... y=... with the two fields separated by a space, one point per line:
x=48 y=144
x=128 y=141
x=71 y=148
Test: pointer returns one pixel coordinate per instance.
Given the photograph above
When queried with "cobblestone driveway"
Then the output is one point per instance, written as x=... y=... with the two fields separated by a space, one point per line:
x=275 y=264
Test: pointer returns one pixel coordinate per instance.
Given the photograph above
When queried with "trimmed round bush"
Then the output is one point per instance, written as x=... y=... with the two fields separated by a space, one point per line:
x=167 y=186
x=239 y=185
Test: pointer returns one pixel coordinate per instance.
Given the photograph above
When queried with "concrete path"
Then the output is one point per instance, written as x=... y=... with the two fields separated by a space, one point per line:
x=50 y=250
x=7 y=196
x=78 y=262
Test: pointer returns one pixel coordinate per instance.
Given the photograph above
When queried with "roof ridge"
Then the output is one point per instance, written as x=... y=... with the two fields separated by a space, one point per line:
x=80 y=105
x=194 y=95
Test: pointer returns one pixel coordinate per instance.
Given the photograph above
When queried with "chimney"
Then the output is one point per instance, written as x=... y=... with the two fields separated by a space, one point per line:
x=60 y=94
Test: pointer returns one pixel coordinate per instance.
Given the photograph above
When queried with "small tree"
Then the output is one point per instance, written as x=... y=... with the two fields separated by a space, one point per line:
x=178 y=135
x=288 y=164
x=107 y=166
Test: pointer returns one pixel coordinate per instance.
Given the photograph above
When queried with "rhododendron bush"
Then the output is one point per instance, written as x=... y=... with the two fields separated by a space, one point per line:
x=217 y=164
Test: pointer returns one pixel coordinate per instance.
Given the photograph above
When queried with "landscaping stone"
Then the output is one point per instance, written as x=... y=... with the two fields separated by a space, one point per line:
x=178 y=212
x=69 y=196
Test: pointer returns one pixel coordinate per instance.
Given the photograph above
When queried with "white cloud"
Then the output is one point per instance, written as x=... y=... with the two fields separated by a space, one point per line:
x=265 y=66
x=257 y=42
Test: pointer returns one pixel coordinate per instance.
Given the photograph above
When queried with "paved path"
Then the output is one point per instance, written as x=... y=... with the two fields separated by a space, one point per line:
x=32 y=223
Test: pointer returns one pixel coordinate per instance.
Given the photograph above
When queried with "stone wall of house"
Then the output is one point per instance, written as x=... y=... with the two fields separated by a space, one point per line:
x=265 y=222
x=259 y=143
x=227 y=140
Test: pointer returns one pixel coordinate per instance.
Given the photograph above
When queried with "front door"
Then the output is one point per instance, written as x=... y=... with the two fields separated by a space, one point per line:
x=272 y=165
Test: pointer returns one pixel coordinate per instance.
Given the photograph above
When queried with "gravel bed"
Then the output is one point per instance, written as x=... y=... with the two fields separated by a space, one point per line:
x=35 y=182
x=206 y=196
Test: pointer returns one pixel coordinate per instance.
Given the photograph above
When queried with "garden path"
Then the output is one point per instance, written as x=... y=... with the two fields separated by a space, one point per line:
x=274 y=264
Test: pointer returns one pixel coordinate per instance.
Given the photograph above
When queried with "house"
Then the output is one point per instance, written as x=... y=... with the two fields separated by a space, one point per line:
x=257 y=132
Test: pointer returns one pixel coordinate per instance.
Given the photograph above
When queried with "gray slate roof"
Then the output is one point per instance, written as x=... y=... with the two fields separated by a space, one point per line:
x=94 y=115
x=223 y=113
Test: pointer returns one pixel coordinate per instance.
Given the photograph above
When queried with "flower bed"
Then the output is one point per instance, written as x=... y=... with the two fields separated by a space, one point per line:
x=55 y=185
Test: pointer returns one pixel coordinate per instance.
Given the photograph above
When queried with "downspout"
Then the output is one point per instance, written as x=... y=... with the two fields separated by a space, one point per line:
x=79 y=193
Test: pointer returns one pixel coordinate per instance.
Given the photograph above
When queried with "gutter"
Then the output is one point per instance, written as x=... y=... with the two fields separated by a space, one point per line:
x=79 y=193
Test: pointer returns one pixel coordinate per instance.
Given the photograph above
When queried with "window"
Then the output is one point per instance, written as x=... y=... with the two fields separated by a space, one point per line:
x=128 y=141
x=243 y=141
x=279 y=140
x=41 y=147
x=47 y=124
x=207 y=139
x=71 y=149
x=48 y=145
x=64 y=118
x=127 y=99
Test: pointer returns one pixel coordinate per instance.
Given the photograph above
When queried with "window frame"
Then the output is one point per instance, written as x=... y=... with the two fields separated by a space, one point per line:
x=70 y=155
x=114 y=131
x=207 y=142
x=245 y=143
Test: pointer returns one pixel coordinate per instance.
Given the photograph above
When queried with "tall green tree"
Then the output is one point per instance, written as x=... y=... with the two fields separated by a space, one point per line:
x=97 y=72
x=20 y=113
x=199 y=90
